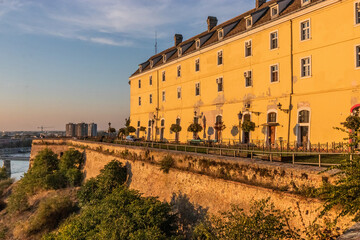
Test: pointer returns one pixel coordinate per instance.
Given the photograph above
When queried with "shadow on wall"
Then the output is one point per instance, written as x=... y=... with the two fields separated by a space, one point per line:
x=129 y=173
x=189 y=215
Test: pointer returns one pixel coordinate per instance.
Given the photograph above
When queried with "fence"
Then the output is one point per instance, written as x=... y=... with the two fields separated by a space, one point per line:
x=316 y=158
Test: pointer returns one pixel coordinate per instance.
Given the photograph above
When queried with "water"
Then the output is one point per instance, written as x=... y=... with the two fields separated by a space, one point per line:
x=18 y=168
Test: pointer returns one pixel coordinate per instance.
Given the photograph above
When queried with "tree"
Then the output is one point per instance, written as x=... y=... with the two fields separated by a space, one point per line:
x=248 y=126
x=131 y=129
x=176 y=128
x=219 y=127
x=122 y=132
x=195 y=128
x=345 y=191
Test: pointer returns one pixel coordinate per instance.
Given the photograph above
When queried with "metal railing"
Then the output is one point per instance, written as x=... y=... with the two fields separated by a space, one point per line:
x=315 y=158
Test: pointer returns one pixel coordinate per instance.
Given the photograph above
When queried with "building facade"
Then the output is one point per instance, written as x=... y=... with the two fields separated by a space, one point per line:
x=291 y=66
x=81 y=130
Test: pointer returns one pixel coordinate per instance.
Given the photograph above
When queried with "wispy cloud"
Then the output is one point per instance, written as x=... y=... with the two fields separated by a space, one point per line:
x=114 y=22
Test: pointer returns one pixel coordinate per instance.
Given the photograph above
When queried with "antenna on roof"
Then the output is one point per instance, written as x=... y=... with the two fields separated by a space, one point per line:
x=155 y=42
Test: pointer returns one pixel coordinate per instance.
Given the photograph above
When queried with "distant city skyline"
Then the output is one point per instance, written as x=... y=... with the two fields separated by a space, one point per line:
x=65 y=61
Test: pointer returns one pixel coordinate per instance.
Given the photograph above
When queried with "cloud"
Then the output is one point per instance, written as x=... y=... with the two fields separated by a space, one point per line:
x=127 y=21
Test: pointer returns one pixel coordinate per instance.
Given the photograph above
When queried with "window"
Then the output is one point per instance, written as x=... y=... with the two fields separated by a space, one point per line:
x=357 y=13
x=304 y=116
x=163 y=76
x=304 y=2
x=179 y=52
x=138 y=123
x=139 y=101
x=162 y=122
x=272 y=117
x=151 y=63
x=248 y=22
x=197 y=44
x=178 y=71
x=305 y=30
x=220 y=58
x=197 y=65
x=163 y=96
x=248 y=78
x=306 y=67
x=274 y=40
x=197 y=89
x=274 y=11
x=357 y=56
x=150 y=80
x=220 y=34
x=164 y=58
x=274 y=73
x=150 y=98
x=139 y=83
x=179 y=92
x=248 y=48
x=219 y=82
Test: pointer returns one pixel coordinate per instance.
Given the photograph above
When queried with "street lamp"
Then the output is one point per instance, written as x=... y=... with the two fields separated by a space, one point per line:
x=281 y=109
x=240 y=115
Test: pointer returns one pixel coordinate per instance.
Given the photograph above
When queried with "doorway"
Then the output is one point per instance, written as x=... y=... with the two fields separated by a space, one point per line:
x=304 y=127
x=246 y=135
x=271 y=129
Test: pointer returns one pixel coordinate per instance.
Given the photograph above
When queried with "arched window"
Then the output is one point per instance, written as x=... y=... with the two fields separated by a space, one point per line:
x=178 y=121
x=218 y=119
x=272 y=117
x=304 y=116
x=162 y=122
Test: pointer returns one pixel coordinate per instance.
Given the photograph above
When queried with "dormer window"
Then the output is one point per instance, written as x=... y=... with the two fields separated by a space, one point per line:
x=179 y=52
x=304 y=2
x=197 y=44
x=140 y=68
x=151 y=63
x=274 y=11
x=220 y=34
x=248 y=22
x=164 y=58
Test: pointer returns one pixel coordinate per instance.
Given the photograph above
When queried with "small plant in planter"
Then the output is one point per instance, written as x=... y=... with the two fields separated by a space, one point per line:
x=142 y=129
x=248 y=126
x=176 y=128
x=219 y=127
x=195 y=128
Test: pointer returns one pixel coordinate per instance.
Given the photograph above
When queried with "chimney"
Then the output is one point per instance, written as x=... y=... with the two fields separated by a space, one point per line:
x=259 y=3
x=212 y=22
x=178 y=39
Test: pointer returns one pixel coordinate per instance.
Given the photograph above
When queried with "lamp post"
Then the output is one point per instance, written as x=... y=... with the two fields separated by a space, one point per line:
x=281 y=109
x=240 y=115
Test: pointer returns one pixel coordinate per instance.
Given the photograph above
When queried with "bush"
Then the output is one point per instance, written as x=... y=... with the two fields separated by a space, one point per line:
x=166 y=163
x=71 y=159
x=110 y=177
x=18 y=200
x=50 y=213
x=123 y=214
x=3 y=174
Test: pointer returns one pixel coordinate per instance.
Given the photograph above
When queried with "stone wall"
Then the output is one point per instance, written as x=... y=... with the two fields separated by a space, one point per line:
x=213 y=192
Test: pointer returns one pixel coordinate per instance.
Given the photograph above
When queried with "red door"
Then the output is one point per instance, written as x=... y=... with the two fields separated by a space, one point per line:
x=272 y=134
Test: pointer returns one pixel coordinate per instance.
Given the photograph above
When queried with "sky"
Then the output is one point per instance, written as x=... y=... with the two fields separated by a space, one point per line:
x=69 y=60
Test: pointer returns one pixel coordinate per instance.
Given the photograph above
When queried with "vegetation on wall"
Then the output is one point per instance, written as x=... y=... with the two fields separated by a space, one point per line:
x=248 y=126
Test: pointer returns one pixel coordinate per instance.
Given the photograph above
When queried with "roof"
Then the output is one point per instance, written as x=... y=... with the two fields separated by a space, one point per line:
x=231 y=28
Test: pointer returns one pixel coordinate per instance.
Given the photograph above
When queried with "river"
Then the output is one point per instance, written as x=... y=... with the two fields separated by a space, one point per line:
x=18 y=168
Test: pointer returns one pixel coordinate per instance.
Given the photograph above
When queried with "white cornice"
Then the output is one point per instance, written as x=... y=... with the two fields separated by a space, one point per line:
x=272 y=23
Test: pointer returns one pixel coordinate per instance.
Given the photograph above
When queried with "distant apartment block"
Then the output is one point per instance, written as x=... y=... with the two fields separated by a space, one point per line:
x=81 y=130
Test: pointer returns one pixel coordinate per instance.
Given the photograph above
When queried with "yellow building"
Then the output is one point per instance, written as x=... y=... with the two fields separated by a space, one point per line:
x=290 y=66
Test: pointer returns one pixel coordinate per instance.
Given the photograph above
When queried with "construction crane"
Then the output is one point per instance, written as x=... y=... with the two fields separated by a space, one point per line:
x=42 y=128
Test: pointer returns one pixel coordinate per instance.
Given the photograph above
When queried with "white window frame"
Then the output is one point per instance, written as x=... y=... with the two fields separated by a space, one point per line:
x=356 y=11
x=178 y=71
x=277 y=11
x=278 y=73
x=222 y=57
x=301 y=30
x=150 y=99
x=301 y=67
x=222 y=84
x=251 y=51
x=139 y=101
x=179 y=52
x=357 y=56
x=197 y=44
x=150 y=80
x=177 y=93
x=247 y=21
x=251 y=78
x=197 y=86
x=164 y=58
x=220 y=34
x=305 y=2
x=197 y=60
x=163 y=76
x=303 y=124
x=277 y=40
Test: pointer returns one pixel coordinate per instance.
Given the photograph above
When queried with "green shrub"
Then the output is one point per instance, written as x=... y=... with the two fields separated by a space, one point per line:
x=110 y=177
x=18 y=200
x=4 y=184
x=50 y=213
x=74 y=177
x=71 y=159
x=56 y=180
x=123 y=214
x=166 y=163
x=3 y=173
